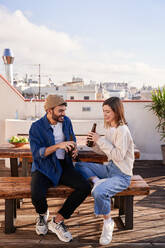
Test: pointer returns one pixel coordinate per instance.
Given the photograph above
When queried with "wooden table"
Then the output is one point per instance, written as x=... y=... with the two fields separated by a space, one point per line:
x=86 y=154
x=24 y=153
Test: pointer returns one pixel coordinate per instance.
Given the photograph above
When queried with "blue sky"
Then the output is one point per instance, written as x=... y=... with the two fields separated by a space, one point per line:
x=100 y=40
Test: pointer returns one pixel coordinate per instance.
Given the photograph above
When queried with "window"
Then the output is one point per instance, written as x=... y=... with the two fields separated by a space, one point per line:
x=86 y=109
x=86 y=97
x=71 y=97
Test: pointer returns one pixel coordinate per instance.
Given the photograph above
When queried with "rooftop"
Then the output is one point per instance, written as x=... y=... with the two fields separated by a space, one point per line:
x=149 y=218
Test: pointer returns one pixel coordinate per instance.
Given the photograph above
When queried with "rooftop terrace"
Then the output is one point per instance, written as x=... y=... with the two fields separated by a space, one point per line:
x=149 y=218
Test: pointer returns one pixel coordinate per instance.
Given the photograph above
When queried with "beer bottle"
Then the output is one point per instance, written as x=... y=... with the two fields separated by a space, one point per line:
x=89 y=142
x=77 y=159
x=70 y=152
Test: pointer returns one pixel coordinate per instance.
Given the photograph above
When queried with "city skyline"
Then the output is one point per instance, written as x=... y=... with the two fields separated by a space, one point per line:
x=94 y=40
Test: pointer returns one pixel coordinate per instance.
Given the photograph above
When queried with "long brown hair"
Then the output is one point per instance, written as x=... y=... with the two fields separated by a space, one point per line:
x=117 y=106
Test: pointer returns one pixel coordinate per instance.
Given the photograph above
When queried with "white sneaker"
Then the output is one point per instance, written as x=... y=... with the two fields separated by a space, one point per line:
x=106 y=235
x=60 y=230
x=97 y=183
x=41 y=224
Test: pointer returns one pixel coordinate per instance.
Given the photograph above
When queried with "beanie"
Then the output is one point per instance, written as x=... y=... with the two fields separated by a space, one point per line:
x=53 y=101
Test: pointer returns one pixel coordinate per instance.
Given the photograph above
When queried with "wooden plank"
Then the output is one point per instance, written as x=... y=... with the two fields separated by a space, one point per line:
x=28 y=179
x=19 y=187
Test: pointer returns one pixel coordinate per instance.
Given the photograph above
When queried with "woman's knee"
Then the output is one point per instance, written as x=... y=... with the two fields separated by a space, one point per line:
x=97 y=194
x=101 y=193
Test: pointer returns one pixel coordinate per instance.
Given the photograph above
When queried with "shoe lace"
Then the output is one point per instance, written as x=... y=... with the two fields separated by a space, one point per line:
x=62 y=226
x=41 y=220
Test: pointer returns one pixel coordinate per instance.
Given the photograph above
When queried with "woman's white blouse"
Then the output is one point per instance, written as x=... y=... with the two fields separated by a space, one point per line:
x=118 y=145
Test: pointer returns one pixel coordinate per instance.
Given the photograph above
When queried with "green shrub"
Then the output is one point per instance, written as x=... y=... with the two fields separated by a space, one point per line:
x=158 y=108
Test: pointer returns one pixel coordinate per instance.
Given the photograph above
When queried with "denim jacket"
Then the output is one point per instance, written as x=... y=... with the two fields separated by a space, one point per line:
x=41 y=136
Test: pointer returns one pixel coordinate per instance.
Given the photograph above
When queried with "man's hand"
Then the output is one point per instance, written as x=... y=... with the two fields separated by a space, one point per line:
x=66 y=145
x=75 y=152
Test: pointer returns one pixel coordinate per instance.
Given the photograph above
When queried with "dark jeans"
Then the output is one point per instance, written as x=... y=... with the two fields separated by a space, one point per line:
x=70 y=177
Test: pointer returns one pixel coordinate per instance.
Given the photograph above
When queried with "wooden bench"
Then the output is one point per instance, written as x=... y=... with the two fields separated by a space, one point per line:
x=12 y=188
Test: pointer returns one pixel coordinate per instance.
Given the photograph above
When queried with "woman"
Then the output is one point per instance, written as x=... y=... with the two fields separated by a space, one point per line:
x=114 y=177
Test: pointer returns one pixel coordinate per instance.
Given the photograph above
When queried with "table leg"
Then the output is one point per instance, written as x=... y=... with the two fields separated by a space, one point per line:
x=14 y=173
x=25 y=167
x=14 y=167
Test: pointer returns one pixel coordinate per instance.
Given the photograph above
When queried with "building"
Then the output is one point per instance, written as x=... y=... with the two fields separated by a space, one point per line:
x=17 y=114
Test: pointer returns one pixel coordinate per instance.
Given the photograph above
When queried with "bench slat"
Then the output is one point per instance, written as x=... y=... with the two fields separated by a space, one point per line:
x=27 y=179
x=19 y=187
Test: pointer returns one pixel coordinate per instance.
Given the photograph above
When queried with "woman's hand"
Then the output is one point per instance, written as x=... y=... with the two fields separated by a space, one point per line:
x=93 y=137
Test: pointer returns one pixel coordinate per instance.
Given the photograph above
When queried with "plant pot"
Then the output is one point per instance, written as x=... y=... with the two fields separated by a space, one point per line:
x=163 y=152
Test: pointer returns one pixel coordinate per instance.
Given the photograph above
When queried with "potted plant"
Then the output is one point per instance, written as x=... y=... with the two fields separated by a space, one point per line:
x=158 y=107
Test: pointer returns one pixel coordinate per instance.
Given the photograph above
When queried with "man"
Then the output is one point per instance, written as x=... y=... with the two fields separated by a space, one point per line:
x=52 y=165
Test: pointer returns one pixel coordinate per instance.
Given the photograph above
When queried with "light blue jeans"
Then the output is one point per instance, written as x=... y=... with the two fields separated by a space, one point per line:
x=116 y=182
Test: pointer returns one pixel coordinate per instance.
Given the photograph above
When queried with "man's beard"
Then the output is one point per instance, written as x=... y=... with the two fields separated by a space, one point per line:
x=57 y=118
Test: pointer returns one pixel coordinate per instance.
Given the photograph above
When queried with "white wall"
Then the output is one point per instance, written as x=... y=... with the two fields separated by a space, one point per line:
x=74 y=110
x=140 y=121
x=10 y=103
x=142 y=124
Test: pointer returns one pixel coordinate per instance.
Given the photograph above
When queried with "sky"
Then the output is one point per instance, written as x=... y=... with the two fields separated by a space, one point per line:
x=98 y=40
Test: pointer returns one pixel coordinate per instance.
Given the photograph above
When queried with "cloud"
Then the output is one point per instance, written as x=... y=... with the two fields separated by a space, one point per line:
x=33 y=44
x=28 y=13
x=64 y=56
x=122 y=55
x=18 y=32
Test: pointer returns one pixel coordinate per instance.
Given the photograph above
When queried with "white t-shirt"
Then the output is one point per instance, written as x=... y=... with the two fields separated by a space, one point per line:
x=59 y=137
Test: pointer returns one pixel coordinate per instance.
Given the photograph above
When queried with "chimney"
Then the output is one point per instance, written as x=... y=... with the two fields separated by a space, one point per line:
x=8 y=59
